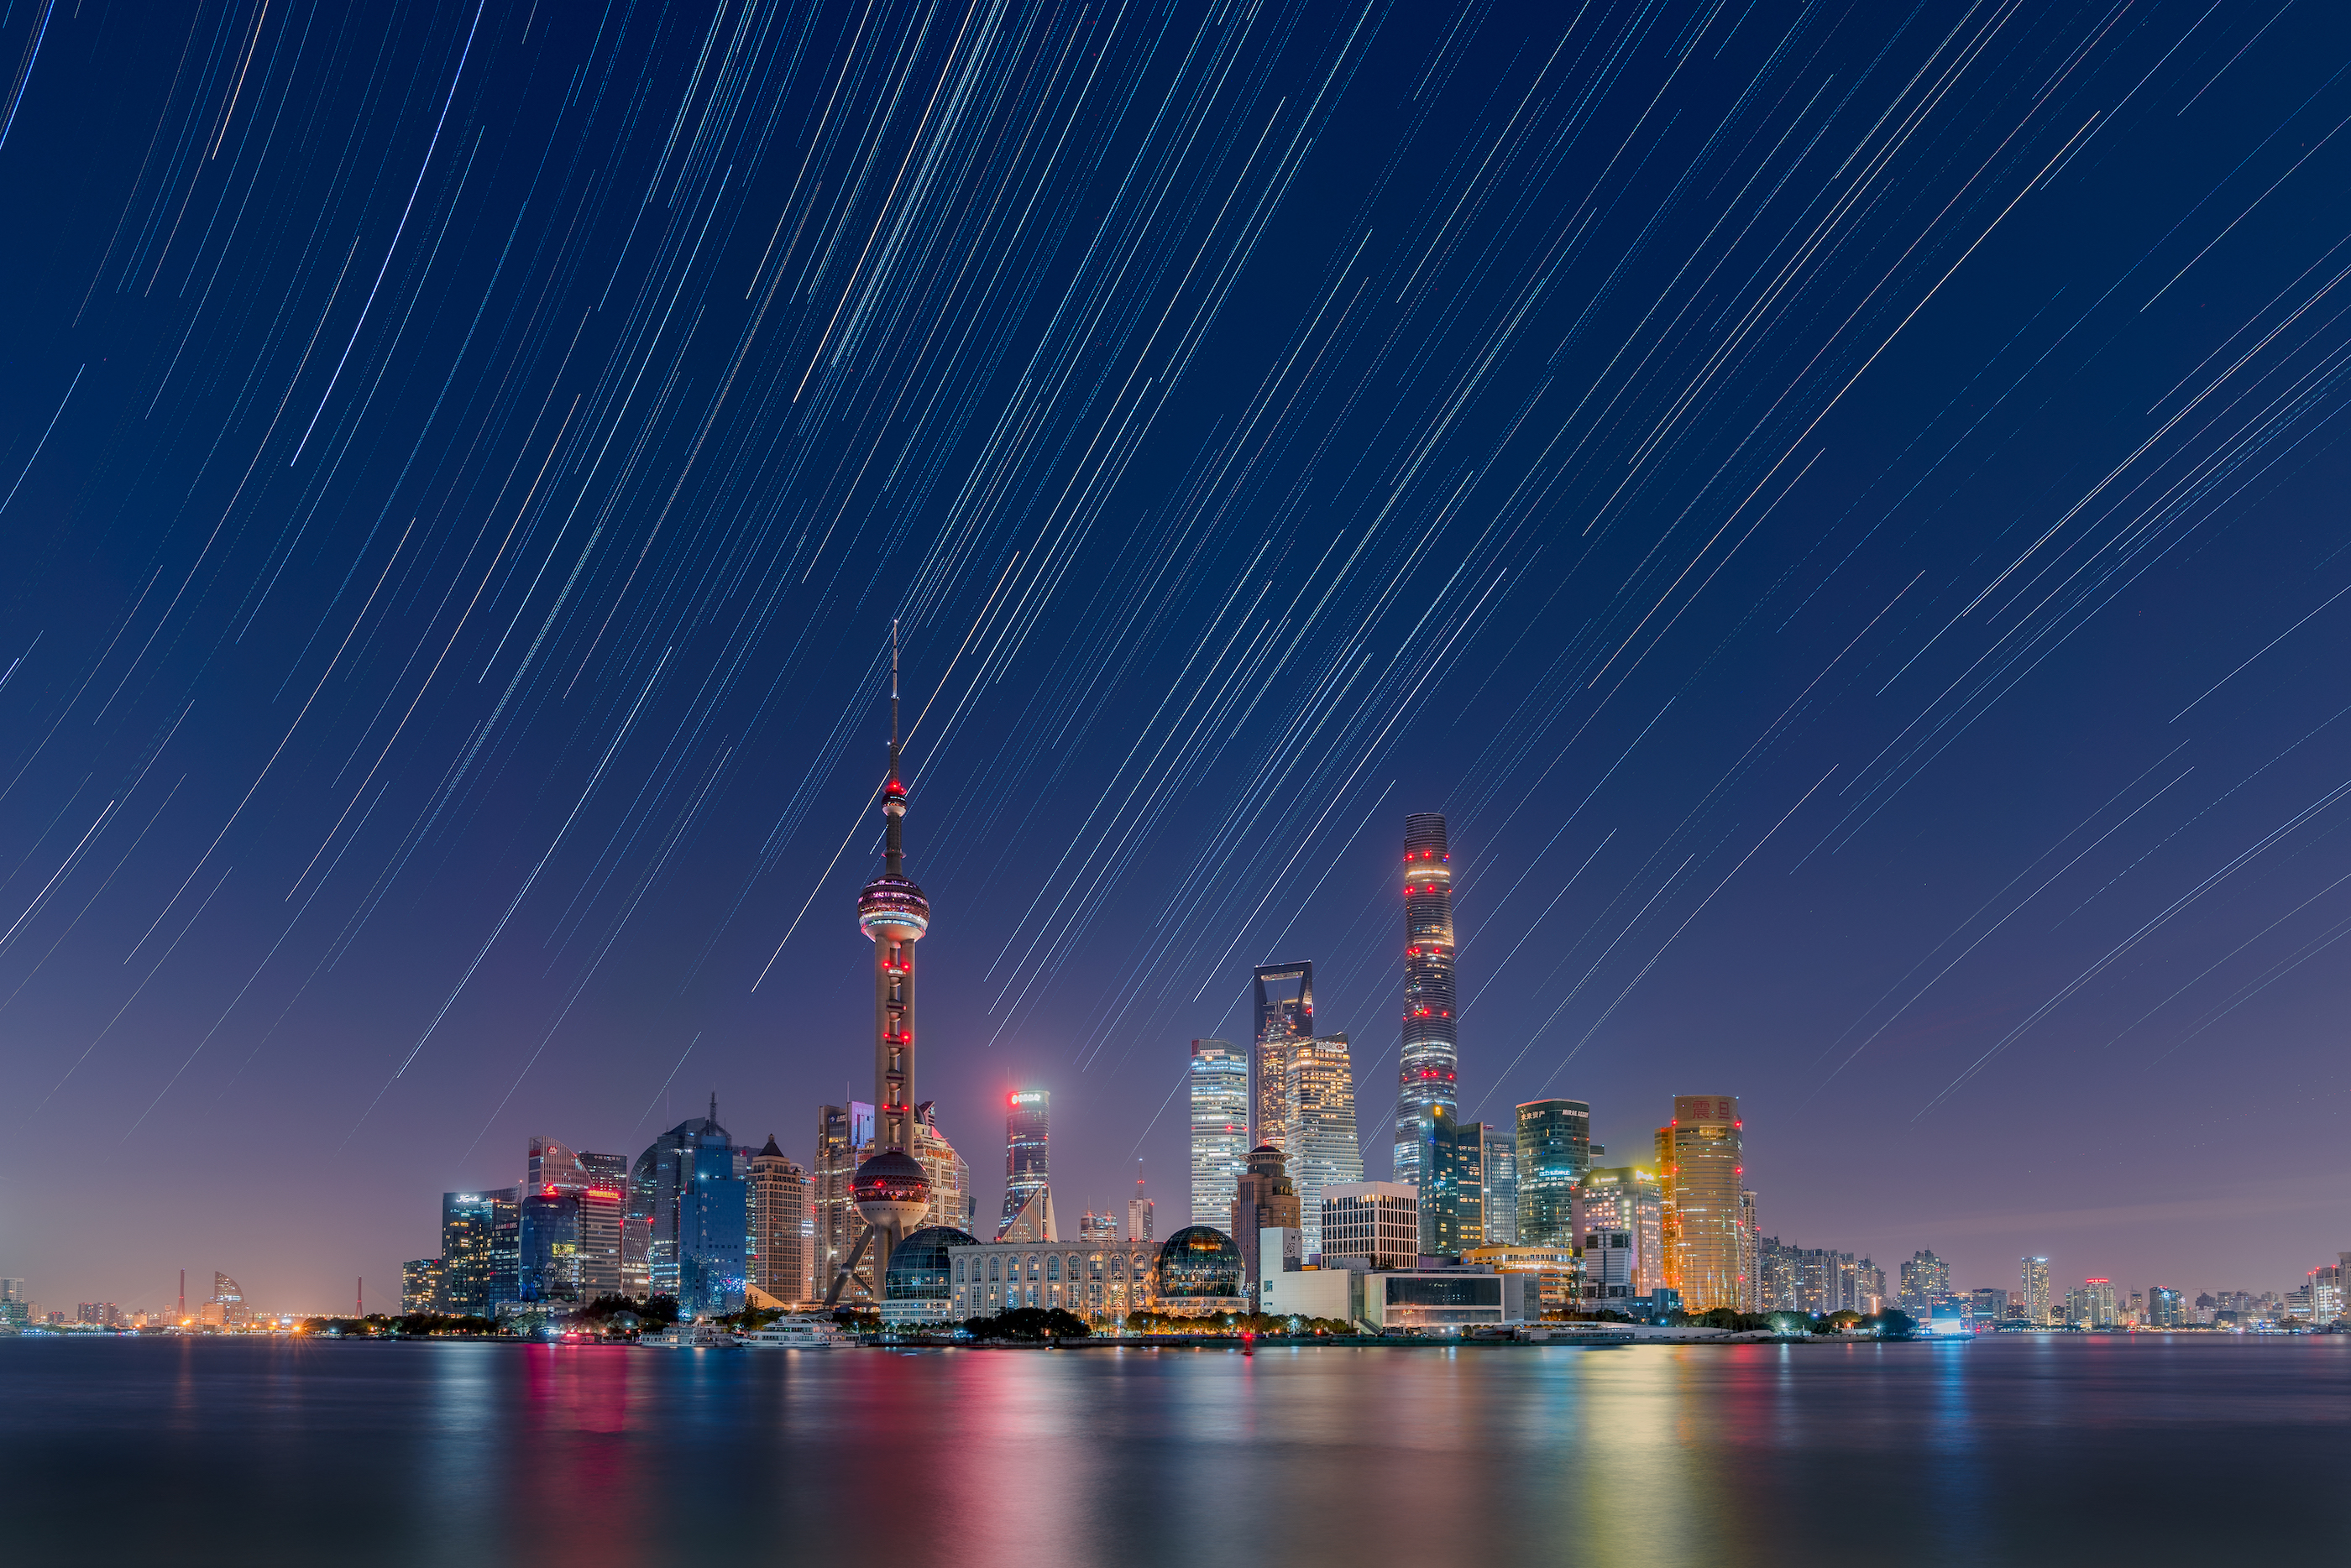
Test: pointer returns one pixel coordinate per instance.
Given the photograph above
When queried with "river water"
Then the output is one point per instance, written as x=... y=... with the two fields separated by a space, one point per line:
x=2019 y=1450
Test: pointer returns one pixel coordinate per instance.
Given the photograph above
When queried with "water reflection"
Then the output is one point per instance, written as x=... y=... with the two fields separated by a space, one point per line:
x=2013 y=1450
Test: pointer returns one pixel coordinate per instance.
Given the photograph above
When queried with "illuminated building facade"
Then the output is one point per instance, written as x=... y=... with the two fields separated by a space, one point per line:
x=1558 y=1270
x=777 y=1258
x=916 y=1291
x=1377 y=1222
x=1100 y=1281
x=1220 y=1118
x=1028 y=1152
x=1318 y=1135
x=1619 y=1218
x=1198 y=1274
x=1703 y=1171
x=1034 y=1221
x=840 y=1132
x=1429 y=1061
x=1749 y=1267
x=1924 y=1278
x=952 y=1203
x=1138 y=1214
x=1497 y=1185
x=1285 y=1020
x=572 y=1213
x=1266 y=1201
x=1451 y=1163
x=420 y=1285
x=1554 y=1151
x=481 y=1250
x=2034 y=1276
x=686 y=1189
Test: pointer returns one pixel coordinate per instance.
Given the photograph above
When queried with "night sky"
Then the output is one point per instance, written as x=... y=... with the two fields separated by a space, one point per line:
x=1840 y=504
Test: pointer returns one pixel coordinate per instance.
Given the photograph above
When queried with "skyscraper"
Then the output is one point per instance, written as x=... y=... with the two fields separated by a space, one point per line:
x=2035 y=1276
x=779 y=1196
x=1450 y=1157
x=1554 y=1151
x=1429 y=1060
x=1498 y=1182
x=1266 y=1199
x=1318 y=1133
x=1283 y=1023
x=1028 y=1151
x=480 y=1250
x=1378 y=1221
x=420 y=1285
x=1750 y=1263
x=1924 y=1277
x=1620 y=1224
x=952 y=1202
x=684 y=1191
x=571 y=1223
x=1703 y=1240
x=840 y=1132
x=892 y=1193
x=1220 y=1112
x=1138 y=1215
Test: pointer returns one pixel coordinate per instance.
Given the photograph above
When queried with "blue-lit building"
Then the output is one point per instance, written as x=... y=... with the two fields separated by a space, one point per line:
x=1553 y=1154
x=690 y=1192
x=1451 y=1166
x=481 y=1236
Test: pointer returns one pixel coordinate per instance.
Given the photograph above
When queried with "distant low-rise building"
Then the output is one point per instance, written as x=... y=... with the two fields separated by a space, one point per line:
x=1448 y=1298
x=1558 y=1272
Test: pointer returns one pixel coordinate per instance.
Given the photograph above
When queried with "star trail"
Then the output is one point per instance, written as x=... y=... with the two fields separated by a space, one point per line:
x=1839 y=505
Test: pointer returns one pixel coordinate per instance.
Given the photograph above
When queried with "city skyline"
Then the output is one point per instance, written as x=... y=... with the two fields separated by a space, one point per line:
x=1828 y=516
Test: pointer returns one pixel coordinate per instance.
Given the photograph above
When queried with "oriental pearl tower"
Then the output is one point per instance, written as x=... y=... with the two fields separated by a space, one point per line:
x=890 y=1189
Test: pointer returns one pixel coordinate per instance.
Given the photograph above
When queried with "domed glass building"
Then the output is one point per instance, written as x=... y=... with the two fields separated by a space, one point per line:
x=915 y=1291
x=918 y=1269
x=1200 y=1270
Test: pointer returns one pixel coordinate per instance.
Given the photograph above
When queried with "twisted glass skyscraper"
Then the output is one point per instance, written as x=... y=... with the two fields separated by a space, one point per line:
x=1430 y=1058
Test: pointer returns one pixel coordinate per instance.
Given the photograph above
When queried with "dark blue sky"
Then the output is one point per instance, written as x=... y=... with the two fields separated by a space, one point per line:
x=1842 y=506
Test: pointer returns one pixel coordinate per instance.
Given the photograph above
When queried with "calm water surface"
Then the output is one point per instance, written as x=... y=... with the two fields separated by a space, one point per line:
x=2020 y=1449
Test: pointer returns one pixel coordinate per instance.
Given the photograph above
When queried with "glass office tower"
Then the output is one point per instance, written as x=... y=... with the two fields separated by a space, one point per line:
x=1554 y=1152
x=1220 y=1112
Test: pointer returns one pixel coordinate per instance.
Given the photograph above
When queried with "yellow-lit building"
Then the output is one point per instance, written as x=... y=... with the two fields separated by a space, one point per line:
x=1560 y=1268
x=1703 y=1167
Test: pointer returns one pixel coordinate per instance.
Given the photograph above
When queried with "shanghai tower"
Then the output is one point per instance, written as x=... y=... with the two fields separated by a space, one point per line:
x=1429 y=1057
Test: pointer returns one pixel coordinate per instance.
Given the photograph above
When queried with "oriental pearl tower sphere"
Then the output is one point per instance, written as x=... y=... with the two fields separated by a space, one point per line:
x=890 y=1189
